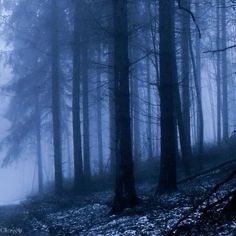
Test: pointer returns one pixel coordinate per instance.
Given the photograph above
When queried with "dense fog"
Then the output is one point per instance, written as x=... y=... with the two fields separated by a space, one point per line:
x=117 y=108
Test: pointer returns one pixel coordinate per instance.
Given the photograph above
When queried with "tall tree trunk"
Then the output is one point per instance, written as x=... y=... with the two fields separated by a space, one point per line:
x=99 y=115
x=149 y=124
x=136 y=117
x=38 y=144
x=198 y=85
x=125 y=193
x=135 y=102
x=185 y=75
x=218 y=76
x=69 y=153
x=86 y=138
x=199 y=104
x=153 y=31
x=56 y=114
x=77 y=146
x=185 y=147
x=200 y=123
x=112 y=124
x=167 y=180
x=225 y=115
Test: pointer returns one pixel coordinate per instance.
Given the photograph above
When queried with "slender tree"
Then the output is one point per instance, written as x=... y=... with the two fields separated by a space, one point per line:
x=112 y=124
x=99 y=113
x=77 y=146
x=224 y=70
x=38 y=144
x=85 y=91
x=185 y=71
x=218 y=75
x=198 y=83
x=56 y=116
x=149 y=125
x=135 y=114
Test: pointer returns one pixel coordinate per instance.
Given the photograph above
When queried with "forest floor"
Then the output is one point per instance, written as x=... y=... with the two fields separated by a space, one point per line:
x=155 y=215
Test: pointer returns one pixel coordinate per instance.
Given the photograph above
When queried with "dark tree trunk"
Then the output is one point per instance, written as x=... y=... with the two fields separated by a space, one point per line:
x=200 y=123
x=38 y=144
x=56 y=114
x=69 y=154
x=218 y=76
x=185 y=78
x=153 y=31
x=78 y=167
x=198 y=85
x=135 y=114
x=99 y=115
x=167 y=180
x=125 y=193
x=225 y=115
x=149 y=124
x=185 y=148
x=112 y=125
x=86 y=138
x=134 y=89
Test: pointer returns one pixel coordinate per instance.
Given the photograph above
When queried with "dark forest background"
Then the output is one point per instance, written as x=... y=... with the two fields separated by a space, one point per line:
x=107 y=94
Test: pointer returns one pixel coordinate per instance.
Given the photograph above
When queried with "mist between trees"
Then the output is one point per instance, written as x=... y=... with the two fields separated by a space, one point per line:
x=102 y=93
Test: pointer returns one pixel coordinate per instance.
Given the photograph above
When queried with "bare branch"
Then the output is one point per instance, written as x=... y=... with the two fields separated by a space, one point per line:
x=221 y=49
x=192 y=15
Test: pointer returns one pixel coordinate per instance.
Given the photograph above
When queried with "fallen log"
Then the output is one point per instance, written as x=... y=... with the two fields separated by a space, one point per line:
x=201 y=202
x=205 y=172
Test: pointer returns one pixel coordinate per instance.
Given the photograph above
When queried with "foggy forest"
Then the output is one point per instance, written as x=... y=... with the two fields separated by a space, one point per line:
x=117 y=117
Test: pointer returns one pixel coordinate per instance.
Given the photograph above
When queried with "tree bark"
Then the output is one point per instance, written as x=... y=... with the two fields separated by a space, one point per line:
x=135 y=114
x=225 y=115
x=185 y=75
x=149 y=125
x=199 y=103
x=125 y=193
x=86 y=138
x=38 y=144
x=218 y=76
x=167 y=180
x=197 y=76
x=112 y=125
x=56 y=114
x=76 y=80
x=185 y=148
x=99 y=115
